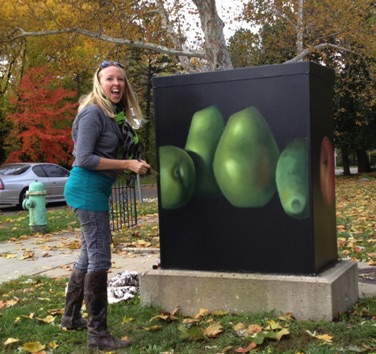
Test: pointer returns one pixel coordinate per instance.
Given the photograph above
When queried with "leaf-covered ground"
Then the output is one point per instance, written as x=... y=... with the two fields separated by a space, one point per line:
x=356 y=217
x=145 y=234
x=31 y=310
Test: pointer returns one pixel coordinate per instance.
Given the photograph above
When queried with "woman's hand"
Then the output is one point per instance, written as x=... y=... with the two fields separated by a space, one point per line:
x=138 y=166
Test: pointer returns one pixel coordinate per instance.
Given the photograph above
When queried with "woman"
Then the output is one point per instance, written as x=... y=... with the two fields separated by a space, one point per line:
x=97 y=138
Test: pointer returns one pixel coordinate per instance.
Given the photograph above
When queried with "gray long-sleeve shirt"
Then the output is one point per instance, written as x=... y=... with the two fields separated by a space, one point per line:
x=95 y=135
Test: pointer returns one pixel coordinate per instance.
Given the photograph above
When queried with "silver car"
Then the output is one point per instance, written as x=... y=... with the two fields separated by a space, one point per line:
x=15 y=179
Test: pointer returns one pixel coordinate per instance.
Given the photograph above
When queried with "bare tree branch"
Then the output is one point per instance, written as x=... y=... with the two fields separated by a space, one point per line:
x=21 y=33
x=311 y=49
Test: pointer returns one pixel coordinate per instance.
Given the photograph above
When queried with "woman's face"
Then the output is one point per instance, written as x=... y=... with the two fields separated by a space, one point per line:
x=112 y=82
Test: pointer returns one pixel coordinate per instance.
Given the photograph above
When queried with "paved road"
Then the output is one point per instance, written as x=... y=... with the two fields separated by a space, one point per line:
x=339 y=171
x=146 y=193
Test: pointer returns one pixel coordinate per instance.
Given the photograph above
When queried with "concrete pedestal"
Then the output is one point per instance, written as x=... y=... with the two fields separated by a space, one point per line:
x=321 y=297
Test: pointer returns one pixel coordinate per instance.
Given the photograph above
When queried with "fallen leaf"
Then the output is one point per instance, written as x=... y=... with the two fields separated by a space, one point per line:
x=238 y=327
x=202 y=313
x=165 y=316
x=254 y=328
x=213 y=330
x=30 y=316
x=175 y=311
x=190 y=320
x=312 y=334
x=273 y=325
x=281 y=333
x=220 y=313
x=152 y=328
x=11 y=341
x=325 y=337
x=286 y=317
x=53 y=345
x=247 y=349
x=73 y=245
x=8 y=303
x=48 y=319
x=33 y=347
x=127 y=320
x=27 y=255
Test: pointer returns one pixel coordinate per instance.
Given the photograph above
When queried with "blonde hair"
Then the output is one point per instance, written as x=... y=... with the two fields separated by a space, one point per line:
x=132 y=108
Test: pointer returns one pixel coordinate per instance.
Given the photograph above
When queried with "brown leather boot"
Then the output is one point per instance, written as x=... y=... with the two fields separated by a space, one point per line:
x=72 y=318
x=96 y=305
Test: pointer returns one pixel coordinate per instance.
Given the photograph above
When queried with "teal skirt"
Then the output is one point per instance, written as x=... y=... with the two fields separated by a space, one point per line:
x=88 y=190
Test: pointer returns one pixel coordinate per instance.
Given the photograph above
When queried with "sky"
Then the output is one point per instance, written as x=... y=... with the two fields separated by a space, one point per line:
x=227 y=10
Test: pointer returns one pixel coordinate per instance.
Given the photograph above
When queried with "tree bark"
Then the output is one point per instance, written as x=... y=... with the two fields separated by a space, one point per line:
x=363 y=163
x=299 y=39
x=345 y=162
x=216 y=51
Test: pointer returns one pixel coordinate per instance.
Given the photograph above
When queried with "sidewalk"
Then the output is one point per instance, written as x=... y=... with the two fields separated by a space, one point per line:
x=54 y=255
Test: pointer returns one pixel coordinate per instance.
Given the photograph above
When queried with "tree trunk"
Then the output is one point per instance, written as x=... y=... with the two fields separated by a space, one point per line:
x=217 y=54
x=299 y=39
x=345 y=162
x=362 y=161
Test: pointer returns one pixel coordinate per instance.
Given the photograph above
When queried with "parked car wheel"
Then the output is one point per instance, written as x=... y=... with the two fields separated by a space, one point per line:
x=22 y=197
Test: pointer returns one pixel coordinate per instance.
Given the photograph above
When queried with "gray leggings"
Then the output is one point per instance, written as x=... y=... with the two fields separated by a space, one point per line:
x=95 y=240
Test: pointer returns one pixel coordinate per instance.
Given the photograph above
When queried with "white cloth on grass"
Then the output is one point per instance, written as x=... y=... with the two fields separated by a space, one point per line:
x=122 y=286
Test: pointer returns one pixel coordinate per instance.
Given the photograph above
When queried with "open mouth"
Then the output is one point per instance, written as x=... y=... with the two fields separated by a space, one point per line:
x=115 y=92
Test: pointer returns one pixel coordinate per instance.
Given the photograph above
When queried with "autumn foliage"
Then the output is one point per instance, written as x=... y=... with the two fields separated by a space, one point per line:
x=43 y=113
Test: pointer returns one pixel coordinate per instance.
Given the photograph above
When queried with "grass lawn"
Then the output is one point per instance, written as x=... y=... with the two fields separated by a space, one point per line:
x=30 y=308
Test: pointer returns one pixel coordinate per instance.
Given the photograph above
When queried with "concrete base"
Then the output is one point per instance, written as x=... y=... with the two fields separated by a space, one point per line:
x=321 y=297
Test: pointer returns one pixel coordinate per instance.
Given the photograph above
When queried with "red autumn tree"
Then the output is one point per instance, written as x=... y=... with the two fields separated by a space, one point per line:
x=42 y=118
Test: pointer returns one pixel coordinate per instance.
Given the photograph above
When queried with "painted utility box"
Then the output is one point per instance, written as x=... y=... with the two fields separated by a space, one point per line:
x=246 y=170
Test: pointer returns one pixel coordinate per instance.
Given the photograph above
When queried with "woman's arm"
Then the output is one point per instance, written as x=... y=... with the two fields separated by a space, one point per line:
x=137 y=166
x=87 y=130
